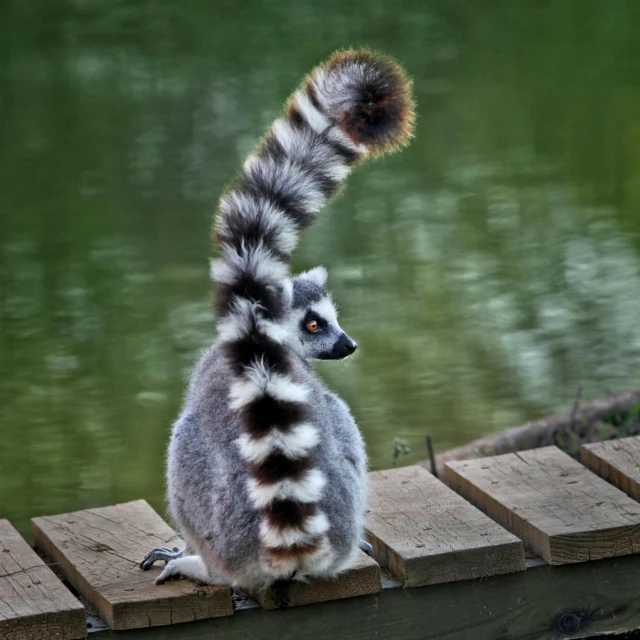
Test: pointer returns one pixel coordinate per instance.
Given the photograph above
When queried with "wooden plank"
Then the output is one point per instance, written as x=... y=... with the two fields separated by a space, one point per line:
x=617 y=461
x=563 y=510
x=541 y=603
x=99 y=551
x=427 y=534
x=362 y=579
x=34 y=604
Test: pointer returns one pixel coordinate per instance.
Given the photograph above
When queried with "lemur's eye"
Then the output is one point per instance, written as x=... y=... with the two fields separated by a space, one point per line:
x=313 y=325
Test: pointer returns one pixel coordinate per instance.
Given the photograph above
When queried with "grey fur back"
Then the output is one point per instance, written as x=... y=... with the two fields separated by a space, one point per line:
x=207 y=476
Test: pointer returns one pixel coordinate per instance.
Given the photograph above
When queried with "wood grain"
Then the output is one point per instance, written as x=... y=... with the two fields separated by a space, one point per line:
x=34 y=604
x=542 y=603
x=427 y=534
x=617 y=461
x=362 y=579
x=99 y=551
x=563 y=510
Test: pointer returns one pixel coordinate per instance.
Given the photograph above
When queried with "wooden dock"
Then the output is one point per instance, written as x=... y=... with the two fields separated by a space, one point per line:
x=532 y=545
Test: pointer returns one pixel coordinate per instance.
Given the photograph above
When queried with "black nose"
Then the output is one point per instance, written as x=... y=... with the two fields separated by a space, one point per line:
x=344 y=347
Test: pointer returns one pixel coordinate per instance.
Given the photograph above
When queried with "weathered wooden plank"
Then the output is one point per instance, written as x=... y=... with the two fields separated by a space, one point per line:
x=34 y=604
x=362 y=579
x=427 y=534
x=566 y=512
x=99 y=551
x=541 y=603
x=617 y=461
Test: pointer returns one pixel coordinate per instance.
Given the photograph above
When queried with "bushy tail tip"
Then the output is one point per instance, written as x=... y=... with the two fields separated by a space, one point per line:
x=368 y=96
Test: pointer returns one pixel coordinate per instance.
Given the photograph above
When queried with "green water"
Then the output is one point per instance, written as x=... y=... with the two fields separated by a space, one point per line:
x=485 y=272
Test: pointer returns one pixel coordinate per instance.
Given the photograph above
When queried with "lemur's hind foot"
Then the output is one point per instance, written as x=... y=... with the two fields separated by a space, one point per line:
x=190 y=567
x=367 y=548
x=161 y=553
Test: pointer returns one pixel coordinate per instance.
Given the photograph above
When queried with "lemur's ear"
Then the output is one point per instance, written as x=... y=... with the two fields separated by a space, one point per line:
x=317 y=275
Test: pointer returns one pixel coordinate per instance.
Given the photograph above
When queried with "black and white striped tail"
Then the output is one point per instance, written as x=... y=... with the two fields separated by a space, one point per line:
x=356 y=105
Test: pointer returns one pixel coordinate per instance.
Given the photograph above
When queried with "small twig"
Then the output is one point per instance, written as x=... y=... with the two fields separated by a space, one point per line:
x=576 y=409
x=432 y=456
x=556 y=433
x=589 y=428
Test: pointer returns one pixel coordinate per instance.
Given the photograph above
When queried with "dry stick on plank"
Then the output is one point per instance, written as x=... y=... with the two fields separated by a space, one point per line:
x=99 y=551
x=426 y=534
x=34 y=604
x=554 y=435
x=576 y=409
x=617 y=461
x=533 y=434
x=563 y=510
x=432 y=456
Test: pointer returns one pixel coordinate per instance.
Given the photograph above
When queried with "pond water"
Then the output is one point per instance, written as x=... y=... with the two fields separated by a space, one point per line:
x=486 y=272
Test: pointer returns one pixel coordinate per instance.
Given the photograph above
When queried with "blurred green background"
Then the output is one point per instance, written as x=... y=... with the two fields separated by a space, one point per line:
x=485 y=272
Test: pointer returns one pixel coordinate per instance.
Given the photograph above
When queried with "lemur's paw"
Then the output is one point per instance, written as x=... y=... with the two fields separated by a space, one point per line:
x=161 y=553
x=367 y=548
x=190 y=567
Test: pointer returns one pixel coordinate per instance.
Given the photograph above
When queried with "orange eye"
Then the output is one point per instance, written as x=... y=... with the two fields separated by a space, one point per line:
x=312 y=325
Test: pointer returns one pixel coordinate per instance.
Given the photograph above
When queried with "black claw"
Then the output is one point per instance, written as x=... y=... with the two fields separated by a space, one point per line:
x=161 y=553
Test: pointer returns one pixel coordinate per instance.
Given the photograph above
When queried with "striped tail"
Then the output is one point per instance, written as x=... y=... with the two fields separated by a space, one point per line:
x=356 y=105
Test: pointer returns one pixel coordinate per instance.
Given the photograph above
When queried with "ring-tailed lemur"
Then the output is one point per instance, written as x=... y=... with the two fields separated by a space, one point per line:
x=267 y=469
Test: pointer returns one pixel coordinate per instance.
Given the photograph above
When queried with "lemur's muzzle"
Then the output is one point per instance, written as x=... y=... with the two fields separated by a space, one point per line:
x=343 y=347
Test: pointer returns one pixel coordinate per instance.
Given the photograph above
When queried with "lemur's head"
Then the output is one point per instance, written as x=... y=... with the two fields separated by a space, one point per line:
x=317 y=332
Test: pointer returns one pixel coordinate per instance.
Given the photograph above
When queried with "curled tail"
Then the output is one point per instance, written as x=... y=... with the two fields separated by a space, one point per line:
x=356 y=105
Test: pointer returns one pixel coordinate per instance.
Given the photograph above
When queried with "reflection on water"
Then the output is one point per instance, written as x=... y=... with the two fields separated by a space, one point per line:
x=486 y=272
